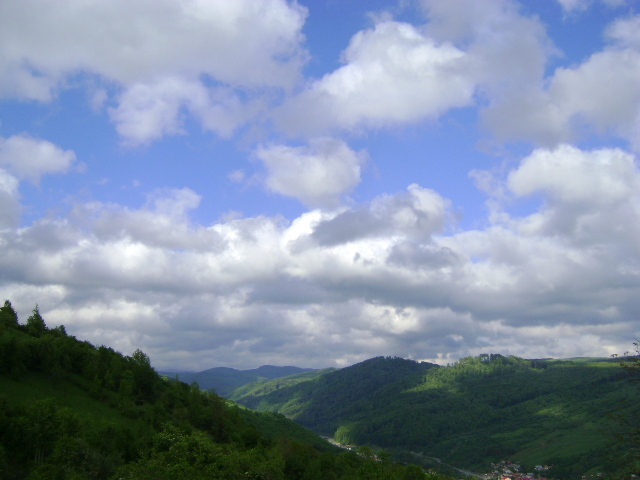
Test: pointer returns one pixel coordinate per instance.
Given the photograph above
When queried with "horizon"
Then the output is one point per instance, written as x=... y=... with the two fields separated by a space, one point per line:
x=165 y=370
x=298 y=182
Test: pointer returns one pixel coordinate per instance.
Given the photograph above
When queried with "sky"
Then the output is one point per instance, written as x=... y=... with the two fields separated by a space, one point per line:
x=319 y=182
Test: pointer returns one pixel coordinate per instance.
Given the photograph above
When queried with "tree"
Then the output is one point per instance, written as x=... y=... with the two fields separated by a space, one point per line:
x=144 y=375
x=35 y=323
x=141 y=358
x=8 y=315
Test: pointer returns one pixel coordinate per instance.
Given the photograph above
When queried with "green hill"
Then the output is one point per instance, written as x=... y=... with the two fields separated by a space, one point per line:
x=73 y=411
x=470 y=414
x=323 y=398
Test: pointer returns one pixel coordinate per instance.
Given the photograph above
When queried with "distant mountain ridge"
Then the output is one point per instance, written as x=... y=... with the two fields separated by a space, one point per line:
x=224 y=380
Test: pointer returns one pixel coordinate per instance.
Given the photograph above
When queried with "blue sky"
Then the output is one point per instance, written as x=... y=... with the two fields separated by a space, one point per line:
x=317 y=183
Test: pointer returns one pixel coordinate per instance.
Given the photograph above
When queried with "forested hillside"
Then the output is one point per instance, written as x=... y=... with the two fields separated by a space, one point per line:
x=73 y=411
x=322 y=401
x=477 y=411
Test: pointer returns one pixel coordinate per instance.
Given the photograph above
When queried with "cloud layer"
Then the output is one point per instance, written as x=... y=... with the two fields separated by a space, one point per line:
x=553 y=269
x=387 y=276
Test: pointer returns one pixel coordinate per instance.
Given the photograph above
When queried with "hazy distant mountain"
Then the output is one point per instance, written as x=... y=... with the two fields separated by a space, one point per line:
x=224 y=380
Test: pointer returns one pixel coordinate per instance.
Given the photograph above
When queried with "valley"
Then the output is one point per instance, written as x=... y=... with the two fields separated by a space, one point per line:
x=68 y=407
x=479 y=411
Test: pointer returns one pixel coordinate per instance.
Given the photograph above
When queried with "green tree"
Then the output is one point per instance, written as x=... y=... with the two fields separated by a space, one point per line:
x=35 y=324
x=141 y=359
x=145 y=377
x=8 y=316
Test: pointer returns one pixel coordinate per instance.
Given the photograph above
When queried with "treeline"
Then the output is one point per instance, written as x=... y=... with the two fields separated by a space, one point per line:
x=73 y=411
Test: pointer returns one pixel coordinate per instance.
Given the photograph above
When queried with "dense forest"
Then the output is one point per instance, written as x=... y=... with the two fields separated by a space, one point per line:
x=72 y=411
x=475 y=412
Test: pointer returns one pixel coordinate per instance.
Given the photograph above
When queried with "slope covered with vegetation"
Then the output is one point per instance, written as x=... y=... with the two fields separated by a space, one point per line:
x=73 y=411
x=477 y=411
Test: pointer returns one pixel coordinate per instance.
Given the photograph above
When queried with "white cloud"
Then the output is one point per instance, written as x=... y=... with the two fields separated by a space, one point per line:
x=601 y=95
x=318 y=175
x=573 y=6
x=570 y=175
x=247 y=43
x=10 y=207
x=31 y=158
x=506 y=55
x=393 y=74
x=164 y=54
x=589 y=197
x=416 y=214
x=625 y=32
x=604 y=91
x=163 y=222
x=147 y=112
x=462 y=21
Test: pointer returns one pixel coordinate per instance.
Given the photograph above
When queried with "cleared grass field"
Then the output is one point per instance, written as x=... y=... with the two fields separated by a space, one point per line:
x=65 y=394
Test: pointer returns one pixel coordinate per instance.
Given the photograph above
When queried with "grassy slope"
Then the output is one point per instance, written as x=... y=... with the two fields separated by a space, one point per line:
x=268 y=397
x=65 y=394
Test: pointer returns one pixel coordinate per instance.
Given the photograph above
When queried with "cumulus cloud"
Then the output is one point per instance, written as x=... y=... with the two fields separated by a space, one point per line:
x=164 y=54
x=247 y=43
x=505 y=55
x=564 y=258
x=468 y=53
x=110 y=247
x=600 y=95
x=588 y=196
x=625 y=32
x=31 y=158
x=393 y=74
x=147 y=112
x=318 y=175
x=570 y=175
x=163 y=222
x=417 y=214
